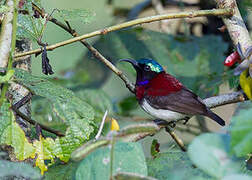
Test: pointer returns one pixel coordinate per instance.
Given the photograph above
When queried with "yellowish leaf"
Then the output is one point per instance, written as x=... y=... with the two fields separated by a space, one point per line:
x=114 y=125
x=246 y=83
x=44 y=151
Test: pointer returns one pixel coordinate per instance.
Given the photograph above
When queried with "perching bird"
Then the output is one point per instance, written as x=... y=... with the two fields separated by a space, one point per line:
x=163 y=96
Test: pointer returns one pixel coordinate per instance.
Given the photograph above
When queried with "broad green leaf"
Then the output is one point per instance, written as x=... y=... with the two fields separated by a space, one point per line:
x=173 y=165
x=11 y=134
x=29 y=26
x=76 y=135
x=128 y=157
x=241 y=132
x=209 y=152
x=73 y=111
x=98 y=99
x=18 y=169
x=61 y=171
x=81 y=15
x=44 y=151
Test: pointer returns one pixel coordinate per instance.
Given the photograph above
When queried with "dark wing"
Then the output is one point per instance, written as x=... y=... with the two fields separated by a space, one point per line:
x=183 y=101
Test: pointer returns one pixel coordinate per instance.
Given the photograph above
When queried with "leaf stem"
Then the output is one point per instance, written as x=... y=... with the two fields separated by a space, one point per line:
x=112 y=156
x=190 y=14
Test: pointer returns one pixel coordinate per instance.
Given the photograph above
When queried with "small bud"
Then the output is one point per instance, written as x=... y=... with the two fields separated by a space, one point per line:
x=114 y=125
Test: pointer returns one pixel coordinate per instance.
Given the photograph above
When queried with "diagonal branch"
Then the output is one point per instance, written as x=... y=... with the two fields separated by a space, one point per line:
x=191 y=14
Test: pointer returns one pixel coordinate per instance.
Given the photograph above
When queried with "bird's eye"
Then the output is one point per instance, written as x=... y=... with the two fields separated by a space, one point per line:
x=147 y=68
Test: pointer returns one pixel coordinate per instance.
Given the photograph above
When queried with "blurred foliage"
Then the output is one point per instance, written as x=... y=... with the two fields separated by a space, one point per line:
x=173 y=165
x=241 y=132
x=127 y=157
x=80 y=15
x=12 y=170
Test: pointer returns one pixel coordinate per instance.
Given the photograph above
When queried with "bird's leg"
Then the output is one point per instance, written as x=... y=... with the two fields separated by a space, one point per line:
x=186 y=119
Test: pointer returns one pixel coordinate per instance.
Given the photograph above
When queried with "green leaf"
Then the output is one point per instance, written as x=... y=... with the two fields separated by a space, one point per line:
x=209 y=152
x=29 y=26
x=81 y=15
x=74 y=112
x=241 y=132
x=18 y=169
x=44 y=151
x=127 y=105
x=11 y=134
x=98 y=99
x=128 y=157
x=61 y=171
x=173 y=165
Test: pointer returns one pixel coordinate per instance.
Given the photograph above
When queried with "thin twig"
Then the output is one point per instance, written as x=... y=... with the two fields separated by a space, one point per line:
x=102 y=125
x=191 y=14
x=94 y=51
x=23 y=101
x=176 y=138
x=31 y=121
x=237 y=31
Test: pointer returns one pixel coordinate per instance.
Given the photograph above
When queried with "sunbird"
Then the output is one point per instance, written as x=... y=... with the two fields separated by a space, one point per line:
x=163 y=96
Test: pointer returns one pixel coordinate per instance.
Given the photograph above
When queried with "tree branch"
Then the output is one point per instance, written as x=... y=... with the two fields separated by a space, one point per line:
x=6 y=35
x=237 y=31
x=94 y=51
x=31 y=121
x=213 y=12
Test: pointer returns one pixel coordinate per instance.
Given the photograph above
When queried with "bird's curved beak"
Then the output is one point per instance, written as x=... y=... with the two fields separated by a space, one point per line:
x=131 y=61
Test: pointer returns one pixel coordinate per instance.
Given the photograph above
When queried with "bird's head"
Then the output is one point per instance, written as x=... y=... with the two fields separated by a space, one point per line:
x=146 y=69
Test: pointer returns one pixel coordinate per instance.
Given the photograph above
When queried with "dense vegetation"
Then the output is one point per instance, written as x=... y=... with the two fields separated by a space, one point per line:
x=49 y=123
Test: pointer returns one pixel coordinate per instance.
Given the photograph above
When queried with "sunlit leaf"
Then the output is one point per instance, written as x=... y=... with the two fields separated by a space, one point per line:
x=73 y=111
x=44 y=151
x=246 y=83
x=11 y=134
x=114 y=125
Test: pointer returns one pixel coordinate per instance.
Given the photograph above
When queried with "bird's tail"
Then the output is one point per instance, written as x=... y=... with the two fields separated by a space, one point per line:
x=215 y=117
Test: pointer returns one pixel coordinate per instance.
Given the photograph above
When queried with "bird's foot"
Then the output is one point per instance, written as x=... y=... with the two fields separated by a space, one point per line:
x=164 y=123
x=172 y=124
x=186 y=119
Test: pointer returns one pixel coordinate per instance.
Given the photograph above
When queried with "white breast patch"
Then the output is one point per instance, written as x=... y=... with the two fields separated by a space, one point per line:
x=162 y=114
